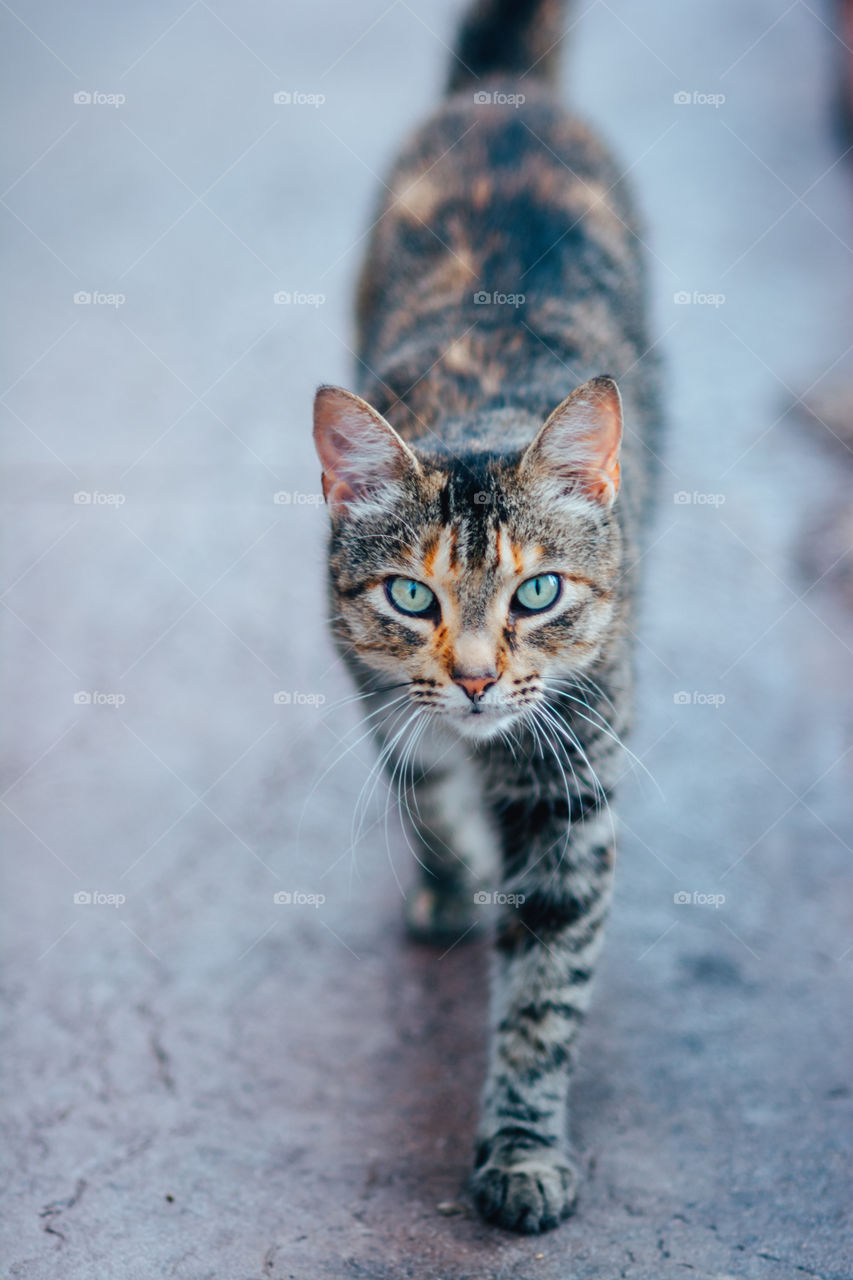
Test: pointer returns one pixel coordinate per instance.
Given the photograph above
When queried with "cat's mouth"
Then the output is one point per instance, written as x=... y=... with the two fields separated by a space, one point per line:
x=479 y=719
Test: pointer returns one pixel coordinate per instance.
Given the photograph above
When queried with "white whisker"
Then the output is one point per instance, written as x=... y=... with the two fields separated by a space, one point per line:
x=604 y=727
x=347 y=748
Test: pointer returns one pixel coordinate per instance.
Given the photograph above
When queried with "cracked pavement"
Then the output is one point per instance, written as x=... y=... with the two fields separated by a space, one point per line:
x=199 y=1080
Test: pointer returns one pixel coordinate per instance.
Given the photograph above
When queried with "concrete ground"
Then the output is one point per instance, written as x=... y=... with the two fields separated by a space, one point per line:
x=203 y=1082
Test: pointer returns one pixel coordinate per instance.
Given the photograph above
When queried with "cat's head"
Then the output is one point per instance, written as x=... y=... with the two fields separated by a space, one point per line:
x=471 y=582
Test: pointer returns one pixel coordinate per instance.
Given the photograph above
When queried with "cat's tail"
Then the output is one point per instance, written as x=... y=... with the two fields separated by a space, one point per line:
x=516 y=38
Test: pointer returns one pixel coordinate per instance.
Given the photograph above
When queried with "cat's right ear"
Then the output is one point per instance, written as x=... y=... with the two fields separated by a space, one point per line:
x=359 y=451
x=579 y=444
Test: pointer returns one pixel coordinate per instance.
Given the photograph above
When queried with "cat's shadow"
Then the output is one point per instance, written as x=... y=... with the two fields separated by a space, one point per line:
x=439 y=1007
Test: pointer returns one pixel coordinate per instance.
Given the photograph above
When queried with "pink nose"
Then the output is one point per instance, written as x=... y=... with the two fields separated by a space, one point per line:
x=475 y=686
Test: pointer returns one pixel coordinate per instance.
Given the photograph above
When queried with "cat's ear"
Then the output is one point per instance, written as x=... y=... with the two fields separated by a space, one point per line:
x=359 y=451
x=580 y=441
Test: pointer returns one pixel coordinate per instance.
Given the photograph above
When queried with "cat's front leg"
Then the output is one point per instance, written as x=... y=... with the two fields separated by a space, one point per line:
x=457 y=850
x=547 y=945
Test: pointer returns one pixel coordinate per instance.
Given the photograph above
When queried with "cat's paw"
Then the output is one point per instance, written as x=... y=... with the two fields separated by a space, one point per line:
x=530 y=1191
x=440 y=917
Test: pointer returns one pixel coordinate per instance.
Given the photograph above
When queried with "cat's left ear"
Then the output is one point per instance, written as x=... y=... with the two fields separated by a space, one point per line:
x=359 y=451
x=580 y=442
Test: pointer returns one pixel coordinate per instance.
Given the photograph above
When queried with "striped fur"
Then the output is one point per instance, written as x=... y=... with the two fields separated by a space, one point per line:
x=441 y=471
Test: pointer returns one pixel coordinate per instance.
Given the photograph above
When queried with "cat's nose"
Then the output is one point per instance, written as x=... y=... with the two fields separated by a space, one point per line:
x=475 y=686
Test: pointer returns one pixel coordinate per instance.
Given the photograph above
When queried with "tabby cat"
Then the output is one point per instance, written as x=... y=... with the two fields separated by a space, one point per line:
x=486 y=505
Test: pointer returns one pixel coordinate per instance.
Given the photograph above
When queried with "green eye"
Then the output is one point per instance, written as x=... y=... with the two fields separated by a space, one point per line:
x=538 y=593
x=409 y=596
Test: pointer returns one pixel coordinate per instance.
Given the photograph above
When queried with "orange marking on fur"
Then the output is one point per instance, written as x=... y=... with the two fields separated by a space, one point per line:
x=430 y=552
x=417 y=196
x=516 y=558
x=447 y=658
x=481 y=192
x=458 y=357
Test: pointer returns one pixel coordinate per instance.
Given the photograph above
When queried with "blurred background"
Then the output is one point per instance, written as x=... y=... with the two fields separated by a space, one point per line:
x=201 y=1079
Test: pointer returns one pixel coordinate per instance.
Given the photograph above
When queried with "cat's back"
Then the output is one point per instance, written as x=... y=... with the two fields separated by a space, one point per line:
x=505 y=265
x=505 y=209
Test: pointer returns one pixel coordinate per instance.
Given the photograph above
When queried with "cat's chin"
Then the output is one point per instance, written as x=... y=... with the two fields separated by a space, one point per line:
x=482 y=727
